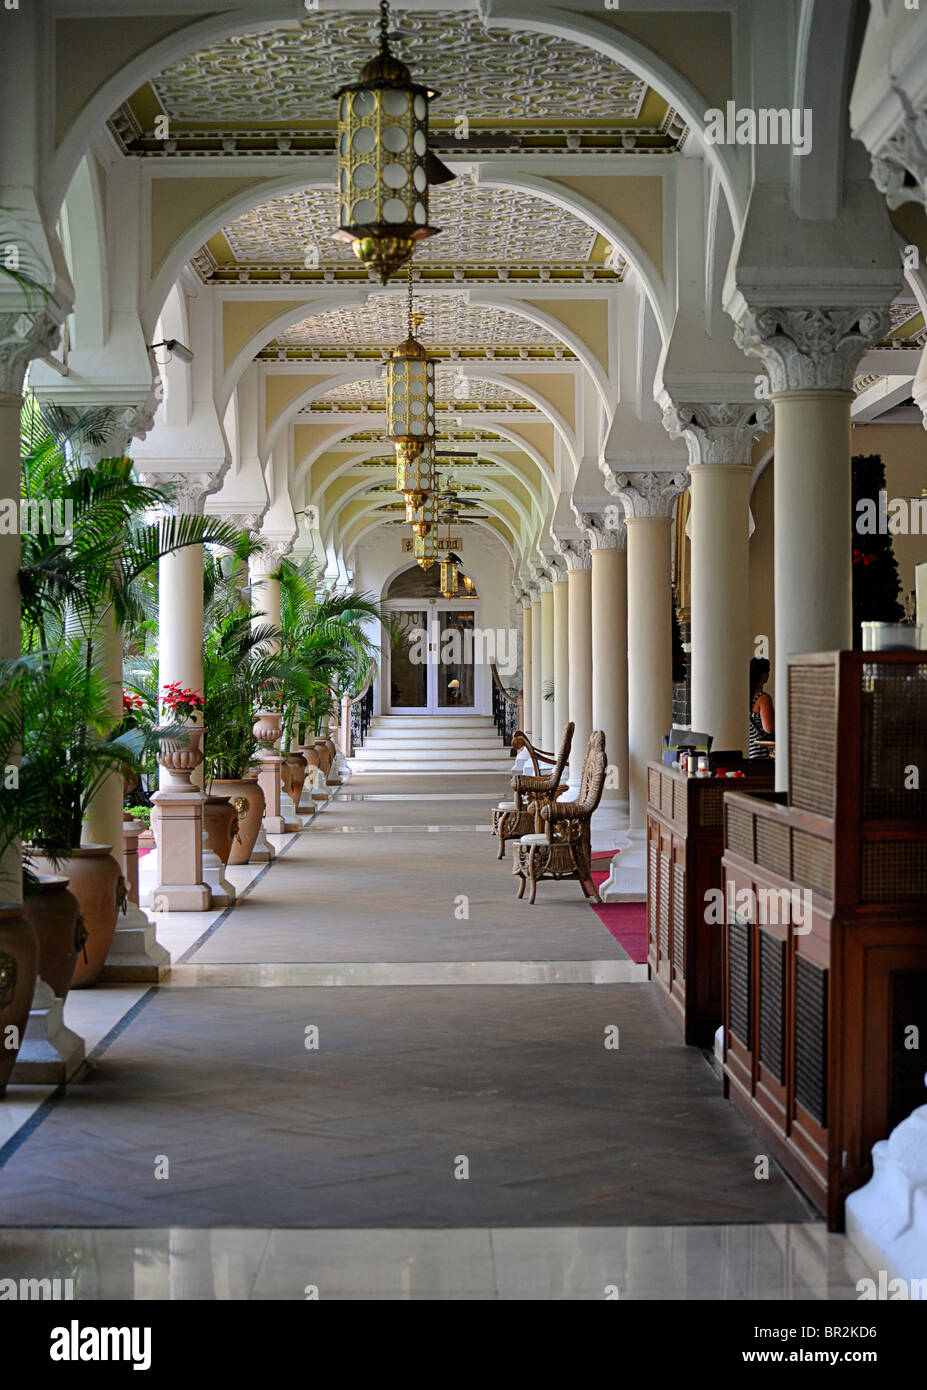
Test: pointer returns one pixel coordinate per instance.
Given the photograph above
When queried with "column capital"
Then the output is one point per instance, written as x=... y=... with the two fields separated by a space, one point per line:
x=188 y=491
x=542 y=577
x=899 y=160
x=644 y=494
x=601 y=535
x=275 y=548
x=717 y=432
x=24 y=336
x=242 y=521
x=576 y=551
x=811 y=348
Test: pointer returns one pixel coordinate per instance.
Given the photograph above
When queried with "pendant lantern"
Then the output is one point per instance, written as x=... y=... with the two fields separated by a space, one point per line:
x=383 y=160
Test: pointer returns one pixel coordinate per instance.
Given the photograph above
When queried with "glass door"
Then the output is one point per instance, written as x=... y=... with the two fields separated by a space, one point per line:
x=454 y=683
x=408 y=663
x=431 y=666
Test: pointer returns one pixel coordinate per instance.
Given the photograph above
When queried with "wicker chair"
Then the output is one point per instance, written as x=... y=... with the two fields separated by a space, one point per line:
x=512 y=819
x=563 y=849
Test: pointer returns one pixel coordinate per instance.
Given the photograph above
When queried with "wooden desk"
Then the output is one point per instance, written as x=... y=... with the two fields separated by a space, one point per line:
x=685 y=843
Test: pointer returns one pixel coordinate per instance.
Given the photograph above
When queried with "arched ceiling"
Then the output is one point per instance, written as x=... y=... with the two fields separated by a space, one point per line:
x=515 y=112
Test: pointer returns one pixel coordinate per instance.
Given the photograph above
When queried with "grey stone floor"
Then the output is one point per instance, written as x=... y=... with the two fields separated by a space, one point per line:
x=409 y=1085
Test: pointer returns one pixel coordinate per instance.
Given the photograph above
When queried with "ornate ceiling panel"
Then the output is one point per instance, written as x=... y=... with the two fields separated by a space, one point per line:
x=449 y=385
x=449 y=322
x=287 y=76
x=481 y=226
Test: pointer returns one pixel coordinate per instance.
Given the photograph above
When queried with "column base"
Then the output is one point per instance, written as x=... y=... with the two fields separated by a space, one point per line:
x=887 y=1218
x=627 y=880
x=136 y=955
x=275 y=825
x=51 y=1052
x=263 y=852
x=289 y=813
x=181 y=897
x=609 y=826
x=221 y=892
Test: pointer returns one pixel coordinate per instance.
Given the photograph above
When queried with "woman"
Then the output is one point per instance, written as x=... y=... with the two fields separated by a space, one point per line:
x=762 y=721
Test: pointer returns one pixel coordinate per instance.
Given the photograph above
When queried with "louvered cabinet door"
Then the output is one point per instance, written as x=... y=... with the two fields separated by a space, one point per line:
x=771 y=1015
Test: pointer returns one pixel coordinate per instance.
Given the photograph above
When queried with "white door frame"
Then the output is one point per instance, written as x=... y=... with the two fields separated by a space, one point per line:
x=431 y=607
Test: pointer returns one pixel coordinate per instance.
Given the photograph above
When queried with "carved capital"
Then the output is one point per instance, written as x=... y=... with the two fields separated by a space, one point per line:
x=242 y=521
x=811 y=349
x=601 y=536
x=899 y=163
x=718 y=431
x=644 y=494
x=24 y=336
x=576 y=551
x=188 y=491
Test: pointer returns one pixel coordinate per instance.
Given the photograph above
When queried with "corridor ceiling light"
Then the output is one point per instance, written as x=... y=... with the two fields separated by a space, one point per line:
x=416 y=476
x=449 y=576
x=421 y=513
x=174 y=349
x=383 y=160
x=425 y=549
x=410 y=391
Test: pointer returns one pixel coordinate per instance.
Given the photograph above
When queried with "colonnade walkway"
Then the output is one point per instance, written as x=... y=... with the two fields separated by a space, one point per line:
x=379 y=1075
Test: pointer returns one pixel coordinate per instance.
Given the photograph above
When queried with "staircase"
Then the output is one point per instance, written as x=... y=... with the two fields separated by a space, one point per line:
x=432 y=743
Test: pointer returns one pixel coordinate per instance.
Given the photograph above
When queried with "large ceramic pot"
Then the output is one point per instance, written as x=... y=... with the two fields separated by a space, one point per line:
x=298 y=770
x=220 y=821
x=180 y=754
x=95 y=878
x=247 y=800
x=54 y=915
x=323 y=755
x=19 y=967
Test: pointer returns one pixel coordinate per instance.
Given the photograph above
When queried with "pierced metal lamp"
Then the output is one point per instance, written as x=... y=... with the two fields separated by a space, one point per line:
x=423 y=514
x=449 y=576
x=383 y=160
x=425 y=549
x=416 y=475
x=410 y=393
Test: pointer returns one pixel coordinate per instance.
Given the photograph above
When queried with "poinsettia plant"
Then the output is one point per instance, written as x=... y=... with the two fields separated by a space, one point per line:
x=131 y=703
x=180 y=703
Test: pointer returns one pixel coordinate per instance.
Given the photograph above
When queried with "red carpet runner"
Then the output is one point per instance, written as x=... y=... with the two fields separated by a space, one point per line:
x=627 y=922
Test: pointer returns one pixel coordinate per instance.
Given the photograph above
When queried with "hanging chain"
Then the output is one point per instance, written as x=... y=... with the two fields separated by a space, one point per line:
x=411 y=325
x=384 y=25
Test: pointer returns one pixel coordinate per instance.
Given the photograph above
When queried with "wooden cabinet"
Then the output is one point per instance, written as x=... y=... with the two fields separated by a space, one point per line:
x=684 y=849
x=825 y=957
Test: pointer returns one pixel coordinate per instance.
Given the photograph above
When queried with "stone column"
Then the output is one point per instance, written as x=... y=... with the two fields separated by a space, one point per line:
x=647 y=502
x=536 y=704
x=610 y=649
x=718 y=436
x=579 y=578
x=280 y=815
x=23 y=336
x=178 y=823
x=547 y=664
x=50 y=1052
x=561 y=655
x=527 y=665
x=810 y=355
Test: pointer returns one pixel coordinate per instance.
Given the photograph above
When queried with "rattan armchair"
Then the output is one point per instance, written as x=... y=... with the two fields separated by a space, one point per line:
x=563 y=849
x=512 y=819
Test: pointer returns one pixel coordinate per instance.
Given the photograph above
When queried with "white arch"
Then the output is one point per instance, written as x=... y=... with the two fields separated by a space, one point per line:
x=381 y=521
x=621 y=47
x=358 y=372
x=85 y=246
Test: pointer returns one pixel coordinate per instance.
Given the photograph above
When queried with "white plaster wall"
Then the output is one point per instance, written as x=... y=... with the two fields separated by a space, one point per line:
x=379 y=558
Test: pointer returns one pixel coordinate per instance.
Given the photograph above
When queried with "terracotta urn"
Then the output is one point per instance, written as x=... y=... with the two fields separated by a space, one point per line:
x=247 y=800
x=96 y=880
x=298 y=770
x=54 y=915
x=180 y=754
x=19 y=968
x=266 y=727
x=220 y=821
x=323 y=754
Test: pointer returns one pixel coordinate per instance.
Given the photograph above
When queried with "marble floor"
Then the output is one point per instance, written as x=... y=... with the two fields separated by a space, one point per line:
x=379 y=1076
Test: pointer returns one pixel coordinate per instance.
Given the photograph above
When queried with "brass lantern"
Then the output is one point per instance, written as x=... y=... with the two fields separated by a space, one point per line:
x=416 y=476
x=422 y=512
x=449 y=576
x=425 y=549
x=383 y=160
x=410 y=392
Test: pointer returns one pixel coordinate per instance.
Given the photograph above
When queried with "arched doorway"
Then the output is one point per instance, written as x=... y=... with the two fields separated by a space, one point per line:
x=431 y=668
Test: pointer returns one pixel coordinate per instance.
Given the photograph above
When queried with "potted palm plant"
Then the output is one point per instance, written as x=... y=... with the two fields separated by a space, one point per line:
x=80 y=584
